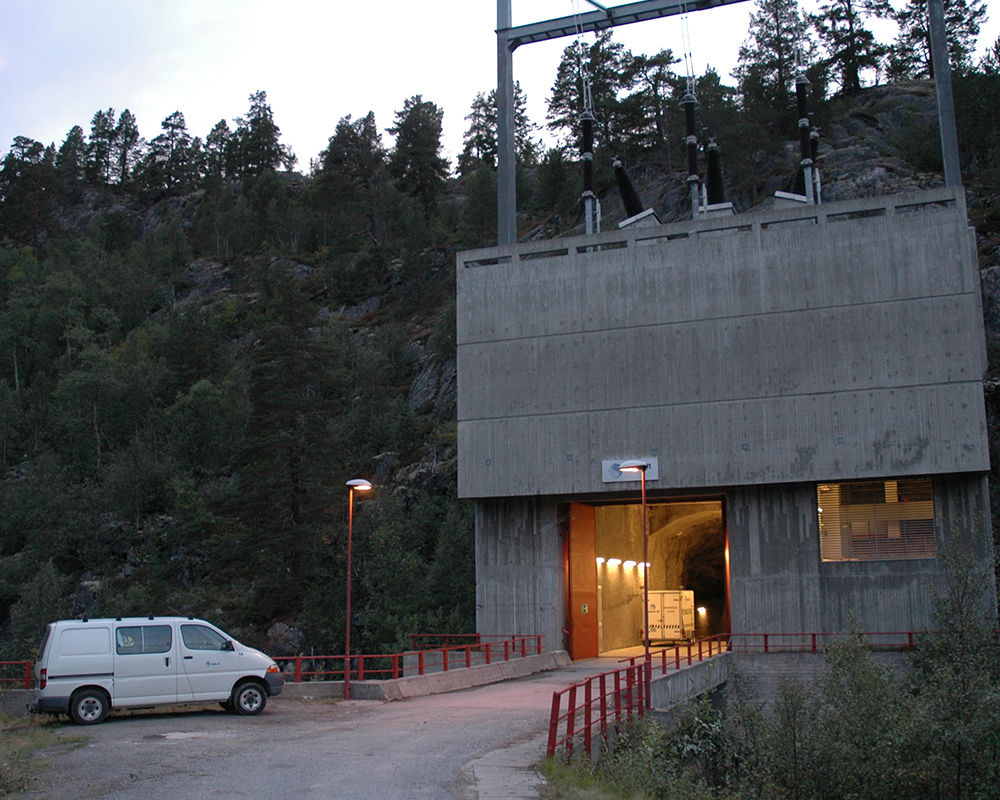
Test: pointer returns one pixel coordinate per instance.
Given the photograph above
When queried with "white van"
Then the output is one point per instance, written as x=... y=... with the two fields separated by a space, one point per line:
x=86 y=667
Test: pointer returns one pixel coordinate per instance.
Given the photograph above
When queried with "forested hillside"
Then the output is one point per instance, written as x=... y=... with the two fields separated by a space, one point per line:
x=199 y=346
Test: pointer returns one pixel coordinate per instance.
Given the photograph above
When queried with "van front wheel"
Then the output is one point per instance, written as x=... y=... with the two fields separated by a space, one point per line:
x=88 y=707
x=249 y=698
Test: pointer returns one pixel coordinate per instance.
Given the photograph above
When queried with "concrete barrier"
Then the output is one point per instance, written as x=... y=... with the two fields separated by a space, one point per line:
x=435 y=682
x=669 y=690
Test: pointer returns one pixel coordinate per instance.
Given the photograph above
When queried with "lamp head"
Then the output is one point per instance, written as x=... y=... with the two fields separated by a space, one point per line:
x=359 y=485
x=633 y=465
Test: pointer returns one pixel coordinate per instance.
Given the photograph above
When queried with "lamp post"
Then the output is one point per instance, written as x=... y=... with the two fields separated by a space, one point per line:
x=641 y=467
x=353 y=485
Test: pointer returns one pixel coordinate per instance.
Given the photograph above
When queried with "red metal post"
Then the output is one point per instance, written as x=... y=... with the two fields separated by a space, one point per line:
x=603 y=688
x=570 y=718
x=553 y=725
x=27 y=674
x=588 y=701
x=444 y=658
x=420 y=663
x=487 y=652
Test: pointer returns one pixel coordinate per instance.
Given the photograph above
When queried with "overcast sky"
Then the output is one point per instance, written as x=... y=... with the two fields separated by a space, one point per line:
x=62 y=60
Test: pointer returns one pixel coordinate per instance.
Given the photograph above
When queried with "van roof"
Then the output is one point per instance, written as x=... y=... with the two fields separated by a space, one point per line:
x=134 y=620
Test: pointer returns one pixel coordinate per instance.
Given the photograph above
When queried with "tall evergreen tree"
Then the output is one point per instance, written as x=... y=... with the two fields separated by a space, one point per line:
x=777 y=39
x=480 y=140
x=416 y=162
x=611 y=71
x=851 y=48
x=101 y=146
x=71 y=158
x=125 y=147
x=911 y=52
x=354 y=172
x=257 y=139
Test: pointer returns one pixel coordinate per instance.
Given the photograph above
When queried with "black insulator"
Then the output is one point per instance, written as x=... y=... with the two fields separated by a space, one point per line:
x=802 y=103
x=714 y=180
x=689 y=102
x=587 y=152
x=630 y=197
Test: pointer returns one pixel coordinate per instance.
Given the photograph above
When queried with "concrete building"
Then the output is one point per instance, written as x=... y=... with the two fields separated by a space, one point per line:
x=805 y=383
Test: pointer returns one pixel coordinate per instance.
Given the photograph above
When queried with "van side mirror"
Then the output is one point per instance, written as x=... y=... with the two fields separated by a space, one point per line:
x=228 y=646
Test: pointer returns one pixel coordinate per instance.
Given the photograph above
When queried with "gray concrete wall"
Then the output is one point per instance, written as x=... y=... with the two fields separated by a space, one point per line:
x=779 y=583
x=823 y=343
x=519 y=565
x=765 y=674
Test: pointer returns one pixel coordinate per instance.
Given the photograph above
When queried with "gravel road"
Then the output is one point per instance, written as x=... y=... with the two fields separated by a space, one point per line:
x=442 y=746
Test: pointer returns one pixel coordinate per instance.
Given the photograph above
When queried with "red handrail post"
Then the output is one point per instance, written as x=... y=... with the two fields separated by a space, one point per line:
x=361 y=667
x=298 y=669
x=444 y=658
x=27 y=674
x=553 y=725
x=468 y=656
x=487 y=652
x=587 y=715
x=603 y=688
x=395 y=665
x=506 y=649
x=420 y=662
x=766 y=649
x=538 y=644
x=570 y=719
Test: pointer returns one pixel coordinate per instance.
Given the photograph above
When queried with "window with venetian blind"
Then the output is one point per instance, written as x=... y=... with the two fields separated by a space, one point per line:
x=876 y=520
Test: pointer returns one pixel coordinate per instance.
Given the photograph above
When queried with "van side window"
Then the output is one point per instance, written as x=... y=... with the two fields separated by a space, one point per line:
x=140 y=639
x=198 y=637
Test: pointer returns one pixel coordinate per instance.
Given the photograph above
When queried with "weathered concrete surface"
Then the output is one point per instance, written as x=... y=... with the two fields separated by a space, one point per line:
x=667 y=691
x=828 y=342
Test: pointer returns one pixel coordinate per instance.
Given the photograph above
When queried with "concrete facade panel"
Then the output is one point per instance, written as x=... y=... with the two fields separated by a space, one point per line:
x=755 y=355
x=832 y=436
x=519 y=563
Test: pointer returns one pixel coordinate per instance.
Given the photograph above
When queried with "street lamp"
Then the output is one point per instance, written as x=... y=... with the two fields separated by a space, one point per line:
x=639 y=466
x=353 y=485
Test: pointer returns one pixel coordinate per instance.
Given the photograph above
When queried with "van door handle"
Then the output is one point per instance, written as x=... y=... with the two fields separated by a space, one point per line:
x=188 y=658
x=166 y=661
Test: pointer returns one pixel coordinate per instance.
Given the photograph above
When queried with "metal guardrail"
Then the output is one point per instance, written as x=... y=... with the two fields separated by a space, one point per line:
x=16 y=674
x=484 y=649
x=591 y=706
x=595 y=703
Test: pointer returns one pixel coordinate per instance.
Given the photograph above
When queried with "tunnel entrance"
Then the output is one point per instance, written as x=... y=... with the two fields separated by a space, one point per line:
x=687 y=573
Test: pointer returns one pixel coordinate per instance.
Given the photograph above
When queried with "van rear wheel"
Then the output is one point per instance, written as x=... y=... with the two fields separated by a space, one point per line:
x=249 y=698
x=88 y=707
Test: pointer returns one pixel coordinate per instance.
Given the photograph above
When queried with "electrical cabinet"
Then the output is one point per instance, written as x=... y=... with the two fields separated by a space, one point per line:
x=671 y=614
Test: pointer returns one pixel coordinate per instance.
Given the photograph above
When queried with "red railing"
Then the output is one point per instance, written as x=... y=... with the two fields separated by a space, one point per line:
x=485 y=649
x=584 y=714
x=684 y=654
x=816 y=642
x=595 y=703
x=16 y=674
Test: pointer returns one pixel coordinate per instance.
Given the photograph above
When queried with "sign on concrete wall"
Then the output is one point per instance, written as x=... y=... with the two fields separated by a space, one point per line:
x=610 y=473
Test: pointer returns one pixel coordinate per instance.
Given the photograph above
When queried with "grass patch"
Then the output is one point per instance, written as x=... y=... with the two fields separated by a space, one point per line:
x=576 y=781
x=23 y=741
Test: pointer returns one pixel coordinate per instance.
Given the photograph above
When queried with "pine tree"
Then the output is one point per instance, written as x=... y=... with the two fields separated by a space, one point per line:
x=416 y=162
x=777 y=40
x=100 y=147
x=125 y=146
x=480 y=139
x=610 y=68
x=257 y=140
x=911 y=52
x=850 y=47
x=354 y=174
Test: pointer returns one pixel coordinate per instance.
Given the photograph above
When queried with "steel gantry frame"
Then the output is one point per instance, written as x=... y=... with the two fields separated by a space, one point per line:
x=509 y=38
